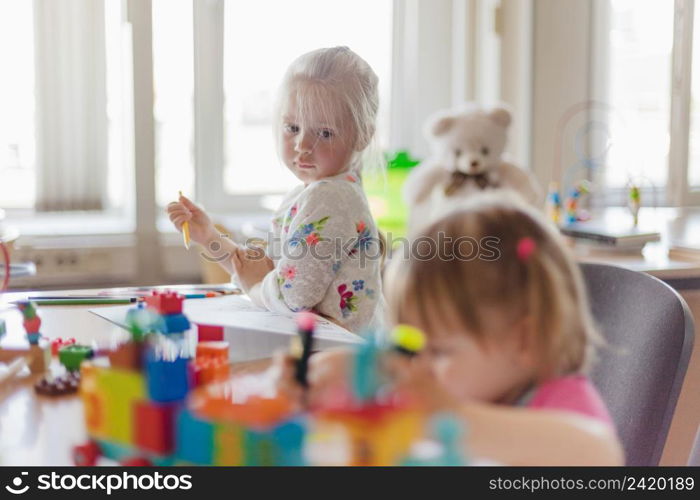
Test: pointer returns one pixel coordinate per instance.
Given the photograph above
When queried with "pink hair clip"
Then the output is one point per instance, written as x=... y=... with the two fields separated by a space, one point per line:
x=525 y=248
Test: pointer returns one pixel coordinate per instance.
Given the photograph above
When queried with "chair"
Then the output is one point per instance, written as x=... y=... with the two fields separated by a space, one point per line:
x=649 y=333
x=694 y=459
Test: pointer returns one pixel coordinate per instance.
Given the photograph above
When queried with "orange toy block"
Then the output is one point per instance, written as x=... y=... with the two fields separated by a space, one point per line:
x=217 y=350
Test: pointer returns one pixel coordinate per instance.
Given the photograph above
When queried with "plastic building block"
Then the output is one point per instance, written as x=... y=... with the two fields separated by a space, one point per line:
x=128 y=356
x=154 y=426
x=136 y=462
x=3 y=328
x=210 y=333
x=165 y=302
x=32 y=325
x=72 y=355
x=289 y=437
x=195 y=438
x=57 y=343
x=228 y=444
x=207 y=370
x=213 y=350
x=171 y=323
x=86 y=455
x=120 y=390
x=27 y=308
x=167 y=380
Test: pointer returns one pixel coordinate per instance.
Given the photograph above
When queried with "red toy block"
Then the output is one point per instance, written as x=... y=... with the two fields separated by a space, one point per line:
x=154 y=426
x=136 y=462
x=86 y=455
x=217 y=350
x=165 y=302
x=32 y=325
x=210 y=333
x=57 y=343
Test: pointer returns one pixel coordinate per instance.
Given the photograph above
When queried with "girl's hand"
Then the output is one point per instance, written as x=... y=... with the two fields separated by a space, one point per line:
x=202 y=229
x=250 y=265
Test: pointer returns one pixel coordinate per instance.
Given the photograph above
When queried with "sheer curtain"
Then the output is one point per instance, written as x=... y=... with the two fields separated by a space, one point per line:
x=71 y=117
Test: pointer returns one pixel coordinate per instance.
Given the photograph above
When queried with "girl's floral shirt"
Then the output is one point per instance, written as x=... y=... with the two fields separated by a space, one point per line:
x=327 y=254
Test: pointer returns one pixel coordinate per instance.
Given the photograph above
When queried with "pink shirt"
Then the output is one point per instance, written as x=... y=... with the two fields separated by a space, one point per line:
x=573 y=393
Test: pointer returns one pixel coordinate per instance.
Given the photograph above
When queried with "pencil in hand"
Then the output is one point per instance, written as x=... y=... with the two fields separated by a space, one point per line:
x=185 y=230
x=306 y=323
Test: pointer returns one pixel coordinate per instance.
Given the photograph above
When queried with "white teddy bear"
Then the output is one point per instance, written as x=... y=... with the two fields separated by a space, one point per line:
x=467 y=147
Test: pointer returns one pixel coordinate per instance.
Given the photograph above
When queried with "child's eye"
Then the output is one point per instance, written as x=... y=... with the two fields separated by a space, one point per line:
x=485 y=151
x=290 y=128
x=325 y=133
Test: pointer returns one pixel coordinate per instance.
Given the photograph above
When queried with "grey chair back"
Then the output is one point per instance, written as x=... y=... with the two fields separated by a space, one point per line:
x=648 y=330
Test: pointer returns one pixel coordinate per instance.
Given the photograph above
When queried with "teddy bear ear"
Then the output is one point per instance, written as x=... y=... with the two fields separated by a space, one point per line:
x=501 y=116
x=438 y=124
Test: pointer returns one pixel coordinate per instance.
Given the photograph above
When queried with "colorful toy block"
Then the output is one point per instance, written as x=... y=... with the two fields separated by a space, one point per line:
x=128 y=356
x=58 y=342
x=210 y=333
x=208 y=370
x=167 y=380
x=213 y=350
x=195 y=443
x=154 y=426
x=3 y=328
x=121 y=389
x=165 y=302
x=171 y=323
x=72 y=355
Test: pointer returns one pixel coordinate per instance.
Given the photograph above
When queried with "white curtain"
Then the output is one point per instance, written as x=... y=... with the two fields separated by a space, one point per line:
x=71 y=113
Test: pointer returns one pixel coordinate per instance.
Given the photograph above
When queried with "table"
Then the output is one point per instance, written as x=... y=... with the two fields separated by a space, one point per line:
x=36 y=430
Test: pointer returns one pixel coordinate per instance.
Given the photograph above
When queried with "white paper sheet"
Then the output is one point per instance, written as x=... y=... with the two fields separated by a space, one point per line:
x=252 y=332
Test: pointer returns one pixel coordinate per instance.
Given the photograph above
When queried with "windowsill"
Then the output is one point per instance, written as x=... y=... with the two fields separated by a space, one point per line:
x=79 y=224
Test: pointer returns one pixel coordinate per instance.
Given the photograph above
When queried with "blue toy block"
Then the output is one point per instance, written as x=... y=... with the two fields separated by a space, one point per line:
x=195 y=439
x=34 y=338
x=290 y=443
x=259 y=448
x=171 y=323
x=166 y=380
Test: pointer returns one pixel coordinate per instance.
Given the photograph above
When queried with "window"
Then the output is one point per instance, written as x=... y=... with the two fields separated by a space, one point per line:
x=17 y=136
x=260 y=40
x=639 y=93
x=173 y=82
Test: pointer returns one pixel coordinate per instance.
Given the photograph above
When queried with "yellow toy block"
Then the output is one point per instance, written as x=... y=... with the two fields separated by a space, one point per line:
x=228 y=444
x=380 y=441
x=121 y=389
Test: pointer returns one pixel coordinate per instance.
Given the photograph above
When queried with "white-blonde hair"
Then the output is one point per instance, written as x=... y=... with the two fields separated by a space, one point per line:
x=328 y=84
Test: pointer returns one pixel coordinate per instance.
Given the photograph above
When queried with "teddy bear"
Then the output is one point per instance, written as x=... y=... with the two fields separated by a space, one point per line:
x=467 y=157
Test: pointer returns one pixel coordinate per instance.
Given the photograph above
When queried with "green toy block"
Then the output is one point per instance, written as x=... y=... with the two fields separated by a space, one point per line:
x=72 y=355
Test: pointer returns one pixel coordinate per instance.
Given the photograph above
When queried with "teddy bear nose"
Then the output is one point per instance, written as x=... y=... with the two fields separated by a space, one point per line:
x=474 y=163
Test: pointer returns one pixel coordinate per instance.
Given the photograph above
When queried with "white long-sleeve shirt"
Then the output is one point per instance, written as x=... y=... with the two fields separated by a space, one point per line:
x=327 y=254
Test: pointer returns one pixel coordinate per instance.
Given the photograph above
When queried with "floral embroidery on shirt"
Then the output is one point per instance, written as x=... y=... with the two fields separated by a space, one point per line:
x=336 y=266
x=364 y=237
x=348 y=300
x=286 y=275
x=358 y=285
x=309 y=233
x=350 y=178
x=291 y=213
